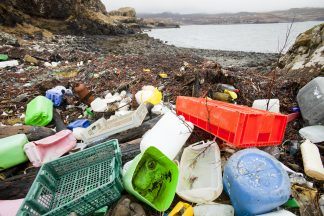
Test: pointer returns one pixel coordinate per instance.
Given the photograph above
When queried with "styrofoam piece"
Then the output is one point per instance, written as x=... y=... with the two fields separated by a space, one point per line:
x=274 y=105
x=105 y=128
x=315 y=133
x=213 y=209
x=200 y=177
x=279 y=213
x=169 y=134
x=99 y=105
x=109 y=98
x=10 y=207
x=10 y=63
x=50 y=148
x=77 y=132
x=313 y=165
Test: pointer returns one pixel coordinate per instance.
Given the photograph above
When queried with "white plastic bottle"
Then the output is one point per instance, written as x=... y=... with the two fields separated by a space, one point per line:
x=168 y=135
x=200 y=173
x=279 y=213
x=313 y=165
x=213 y=209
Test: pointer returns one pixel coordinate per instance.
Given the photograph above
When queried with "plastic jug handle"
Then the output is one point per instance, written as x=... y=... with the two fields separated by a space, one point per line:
x=201 y=145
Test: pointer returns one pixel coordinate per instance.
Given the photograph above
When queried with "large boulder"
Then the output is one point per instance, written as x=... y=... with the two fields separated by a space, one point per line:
x=307 y=51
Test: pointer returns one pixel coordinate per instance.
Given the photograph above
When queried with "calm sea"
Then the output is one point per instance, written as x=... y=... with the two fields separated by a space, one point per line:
x=239 y=37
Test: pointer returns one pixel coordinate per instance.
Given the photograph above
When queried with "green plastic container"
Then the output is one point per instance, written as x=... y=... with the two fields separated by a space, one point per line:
x=152 y=177
x=82 y=183
x=3 y=57
x=12 y=151
x=39 y=111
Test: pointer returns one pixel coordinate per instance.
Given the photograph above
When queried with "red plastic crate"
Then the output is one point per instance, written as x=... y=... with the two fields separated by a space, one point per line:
x=240 y=126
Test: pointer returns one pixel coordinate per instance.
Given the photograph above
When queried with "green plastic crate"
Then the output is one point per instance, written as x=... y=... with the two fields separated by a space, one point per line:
x=82 y=183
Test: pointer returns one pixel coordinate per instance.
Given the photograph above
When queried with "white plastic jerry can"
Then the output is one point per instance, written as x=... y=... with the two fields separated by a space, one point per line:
x=168 y=135
x=213 y=209
x=313 y=165
x=279 y=213
x=200 y=176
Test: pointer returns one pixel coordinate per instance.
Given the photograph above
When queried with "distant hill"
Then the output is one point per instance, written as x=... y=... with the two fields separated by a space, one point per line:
x=298 y=14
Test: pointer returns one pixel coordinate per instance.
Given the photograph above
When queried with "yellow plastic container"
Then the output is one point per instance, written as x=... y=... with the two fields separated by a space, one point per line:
x=183 y=209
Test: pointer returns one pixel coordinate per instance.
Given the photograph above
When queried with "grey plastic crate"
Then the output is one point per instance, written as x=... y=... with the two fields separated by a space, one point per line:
x=311 y=101
x=106 y=128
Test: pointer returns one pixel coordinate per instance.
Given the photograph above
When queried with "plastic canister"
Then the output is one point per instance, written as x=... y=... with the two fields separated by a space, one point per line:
x=279 y=213
x=55 y=96
x=152 y=178
x=12 y=151
x=83 y=123
x=313 y=165
x=310 y=99
x=84 y=94
x=313 y=133
x=168 y=135
x=39 y=111
x=213 y=209
x=50 y=148
x=148 y=94
x=255 y=182
x=10 y=207
x=182 y=208
x=272 y=105
x=200 y=173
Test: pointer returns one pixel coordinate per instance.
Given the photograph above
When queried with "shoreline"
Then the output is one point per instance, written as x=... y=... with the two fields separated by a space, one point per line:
x=232 y=60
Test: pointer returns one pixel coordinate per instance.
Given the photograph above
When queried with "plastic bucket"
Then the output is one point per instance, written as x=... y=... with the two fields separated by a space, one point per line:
x=152 y=177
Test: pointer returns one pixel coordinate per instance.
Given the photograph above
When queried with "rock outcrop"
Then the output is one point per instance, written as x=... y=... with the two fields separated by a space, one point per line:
x=63 y=17
x=125 y=12
x=307 y=53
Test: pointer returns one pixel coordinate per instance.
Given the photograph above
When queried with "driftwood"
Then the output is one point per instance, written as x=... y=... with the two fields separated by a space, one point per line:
x=57 y=119
x=130 y=150
x=33 y=133
x=17 y=187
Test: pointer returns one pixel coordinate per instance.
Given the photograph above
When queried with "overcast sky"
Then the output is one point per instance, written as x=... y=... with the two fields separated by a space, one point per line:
x=210 y=6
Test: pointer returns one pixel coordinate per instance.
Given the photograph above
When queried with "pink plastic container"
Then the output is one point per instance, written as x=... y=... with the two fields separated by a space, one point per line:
x=50 y=148
x=10 y=207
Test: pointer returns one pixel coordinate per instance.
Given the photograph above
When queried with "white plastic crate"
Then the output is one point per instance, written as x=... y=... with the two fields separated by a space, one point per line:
x=106 y=128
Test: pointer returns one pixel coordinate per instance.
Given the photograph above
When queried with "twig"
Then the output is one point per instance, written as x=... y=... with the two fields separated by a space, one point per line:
x=272 y=81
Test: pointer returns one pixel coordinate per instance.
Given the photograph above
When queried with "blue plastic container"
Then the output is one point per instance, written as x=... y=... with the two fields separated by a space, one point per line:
x=255 y=182
x=56 y=96
x=84 y=123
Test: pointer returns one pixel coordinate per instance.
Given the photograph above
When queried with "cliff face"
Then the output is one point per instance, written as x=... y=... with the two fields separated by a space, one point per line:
x=62 y=16
x=307 y=53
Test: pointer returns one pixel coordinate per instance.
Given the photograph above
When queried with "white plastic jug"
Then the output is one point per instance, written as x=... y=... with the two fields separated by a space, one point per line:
x=313 y=133
x=313 y=165
x=168 y=135
x=200 y=176
x=99 y=105
x=279 y=213
x=321 y=204
x=213 y=209
x=262 y=104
